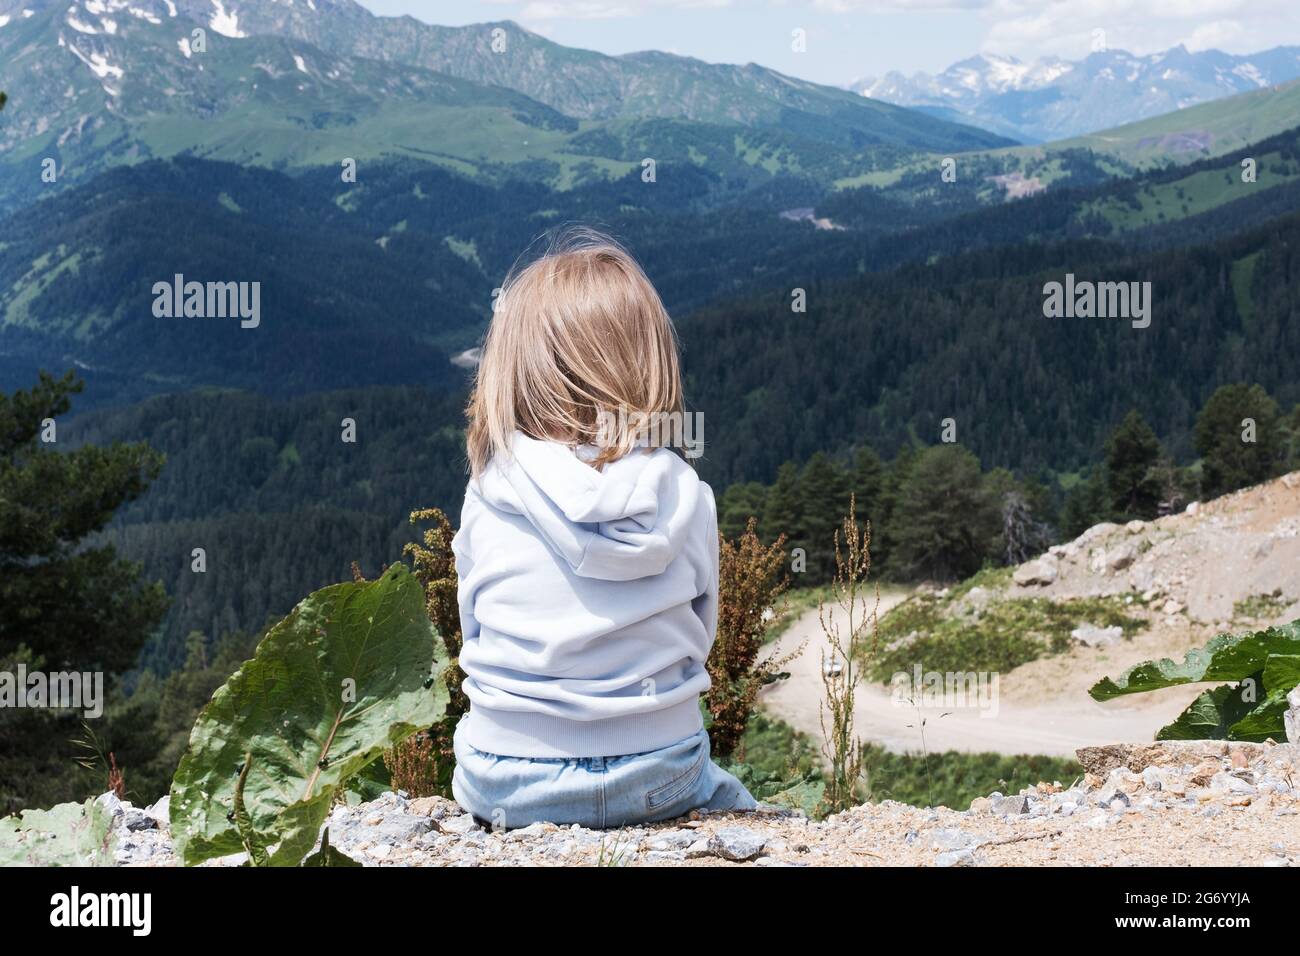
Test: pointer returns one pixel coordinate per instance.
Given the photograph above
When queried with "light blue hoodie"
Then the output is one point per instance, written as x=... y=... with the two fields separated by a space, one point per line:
x=588 y=601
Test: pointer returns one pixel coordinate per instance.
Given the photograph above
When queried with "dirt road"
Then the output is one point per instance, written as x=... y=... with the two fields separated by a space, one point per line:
x=1049 y=723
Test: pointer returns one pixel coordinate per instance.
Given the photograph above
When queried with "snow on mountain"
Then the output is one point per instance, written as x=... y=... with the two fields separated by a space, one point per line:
x=1052 y=98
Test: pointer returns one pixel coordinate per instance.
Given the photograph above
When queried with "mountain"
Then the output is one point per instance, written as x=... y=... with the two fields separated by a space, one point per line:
x=1052 y=98
x=1207 y=130
x=280 y=84
x=589 y=85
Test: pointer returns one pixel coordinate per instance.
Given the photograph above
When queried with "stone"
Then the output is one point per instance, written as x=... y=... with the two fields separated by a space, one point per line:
x=736 y=843
x=1291 y=718
x=1173 y=607
x=949 y=838
x=666 y=840
x=1037 y=573
x=1120 y=557
x=134 y=820
x=533 y=831
x=1091 y=635
x=114 y=807
x=1228 y=783
x=1011 y=806
x=698 y=849
x=461 y=824
x=981 y=805
x=403 y=827
x=962 y=857
x=1113 y=799
x=1135 y=527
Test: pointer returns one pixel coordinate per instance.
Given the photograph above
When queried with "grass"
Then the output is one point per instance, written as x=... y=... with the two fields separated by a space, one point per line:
x=941 y=636
x=780 y=766
x=1261 y=606
x=954 y=779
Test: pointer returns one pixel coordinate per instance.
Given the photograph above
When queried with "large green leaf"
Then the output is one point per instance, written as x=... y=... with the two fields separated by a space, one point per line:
x=349 y=673
x=71 y=834
x=1226 y=657
x=1281 y=675
x=1213 y=714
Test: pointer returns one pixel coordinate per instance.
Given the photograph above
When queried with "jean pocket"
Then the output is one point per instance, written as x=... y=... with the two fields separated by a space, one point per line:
x=672 y=790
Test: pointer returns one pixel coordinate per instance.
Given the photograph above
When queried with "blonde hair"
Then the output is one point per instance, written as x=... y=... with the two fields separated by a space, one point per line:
x=580 y=351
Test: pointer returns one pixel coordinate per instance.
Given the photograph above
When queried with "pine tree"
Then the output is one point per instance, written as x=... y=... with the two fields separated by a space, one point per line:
x=1239 y=438
x=867 y=481
x=783 y=512
x=825 y=499
x=65 y=605
x=946 y=522
x=1132 y=481
x=739 y=503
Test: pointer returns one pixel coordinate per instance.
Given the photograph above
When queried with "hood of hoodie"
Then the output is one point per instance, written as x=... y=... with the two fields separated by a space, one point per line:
x=627 y=521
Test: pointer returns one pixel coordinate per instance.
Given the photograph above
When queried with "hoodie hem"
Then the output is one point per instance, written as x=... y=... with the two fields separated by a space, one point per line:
x=513 y=733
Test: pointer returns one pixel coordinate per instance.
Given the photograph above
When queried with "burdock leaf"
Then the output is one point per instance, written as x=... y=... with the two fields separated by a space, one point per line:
x=71 y=834
x=1226 y=657
x=333 y=685
x=1212 y=714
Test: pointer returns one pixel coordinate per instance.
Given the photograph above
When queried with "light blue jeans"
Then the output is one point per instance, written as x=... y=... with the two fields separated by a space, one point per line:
x=596 y=792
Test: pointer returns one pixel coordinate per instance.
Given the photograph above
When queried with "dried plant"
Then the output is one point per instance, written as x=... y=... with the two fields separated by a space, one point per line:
x=96 y=757
x=425 y=762
x=845 y=624
x=749 y=586
x=414 y=766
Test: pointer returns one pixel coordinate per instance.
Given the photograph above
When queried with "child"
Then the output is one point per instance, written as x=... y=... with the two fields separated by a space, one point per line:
x=587 y=558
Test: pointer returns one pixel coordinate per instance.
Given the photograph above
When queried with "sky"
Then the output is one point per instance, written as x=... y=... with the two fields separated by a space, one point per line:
x=851 y=39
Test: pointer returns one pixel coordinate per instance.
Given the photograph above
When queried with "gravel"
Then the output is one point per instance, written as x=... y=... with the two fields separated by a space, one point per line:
x=1175 y=804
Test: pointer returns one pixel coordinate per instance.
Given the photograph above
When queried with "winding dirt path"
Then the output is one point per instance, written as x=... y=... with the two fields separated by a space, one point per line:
x=1053 y=723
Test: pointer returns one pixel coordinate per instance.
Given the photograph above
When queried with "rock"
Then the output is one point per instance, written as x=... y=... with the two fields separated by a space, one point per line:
x=1011 y=806
x=1291 y=718
x=949 y=838
x=1227 y=783
x=404 y=828
x=1035 y=573
x=736 y=843
x=1153 y=779
x=533 y=831
x=666 y=840
x=135 y=820
x=981 y=805
x=1135 y=527
x=1173 y=607
x=1120 y=557
x=1091 y=635
x=112 y=806
x=1113 y=799
x=698 y=849
x=962 y=857
x=461 y=824
x=161 y=811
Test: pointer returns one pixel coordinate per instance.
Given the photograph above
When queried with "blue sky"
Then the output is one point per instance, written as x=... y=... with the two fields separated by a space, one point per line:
x=849 y=39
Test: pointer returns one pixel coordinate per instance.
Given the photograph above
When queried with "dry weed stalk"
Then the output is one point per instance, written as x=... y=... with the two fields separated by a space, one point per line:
x=749 y=587
x=840 y=745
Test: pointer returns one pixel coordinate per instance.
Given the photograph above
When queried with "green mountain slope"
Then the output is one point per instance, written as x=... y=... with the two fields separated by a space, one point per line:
x=106 y=82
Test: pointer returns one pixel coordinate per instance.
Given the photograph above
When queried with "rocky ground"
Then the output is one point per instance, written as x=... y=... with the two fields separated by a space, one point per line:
x=1176 y=804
